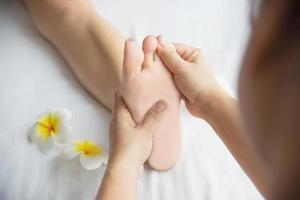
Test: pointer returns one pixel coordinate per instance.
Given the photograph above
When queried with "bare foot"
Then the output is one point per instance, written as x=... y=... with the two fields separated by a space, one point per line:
x=145 y=81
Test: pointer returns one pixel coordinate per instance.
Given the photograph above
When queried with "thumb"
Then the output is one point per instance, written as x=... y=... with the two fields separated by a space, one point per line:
x=153 y=116
x=168 y=54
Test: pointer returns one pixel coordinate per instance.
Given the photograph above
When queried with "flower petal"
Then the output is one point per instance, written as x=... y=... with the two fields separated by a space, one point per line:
x=63 y=133
x=45 y=118
x=45 y=144
x=62 y=114
x=39 y=132
x=33 y=134
x=91 y=162
x=68 y=151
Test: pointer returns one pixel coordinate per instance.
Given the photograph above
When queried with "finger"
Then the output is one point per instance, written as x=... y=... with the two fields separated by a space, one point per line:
x=120 y=111
x=168 y=54
x=182 y=48
x=188 y=53
x=153 y=116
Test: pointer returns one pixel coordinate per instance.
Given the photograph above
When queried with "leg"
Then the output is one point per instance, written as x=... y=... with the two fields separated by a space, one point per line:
x=91 y=46
x=94 y=51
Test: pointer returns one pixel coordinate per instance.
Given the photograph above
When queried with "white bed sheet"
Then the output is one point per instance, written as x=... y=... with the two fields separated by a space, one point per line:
x=33 y=77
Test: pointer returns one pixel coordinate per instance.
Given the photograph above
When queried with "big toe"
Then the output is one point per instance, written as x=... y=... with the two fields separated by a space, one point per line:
x=149 y=47
x=133 y=58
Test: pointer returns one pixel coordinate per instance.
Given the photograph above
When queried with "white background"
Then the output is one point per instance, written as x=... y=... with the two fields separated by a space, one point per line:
x=33 y=77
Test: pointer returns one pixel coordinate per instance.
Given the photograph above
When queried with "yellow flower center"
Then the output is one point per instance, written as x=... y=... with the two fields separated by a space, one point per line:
x=48 y=125
x=88 y=148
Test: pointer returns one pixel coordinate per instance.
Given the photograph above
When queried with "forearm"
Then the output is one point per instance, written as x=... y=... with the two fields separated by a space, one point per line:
x=119 y=182
x=225 y=118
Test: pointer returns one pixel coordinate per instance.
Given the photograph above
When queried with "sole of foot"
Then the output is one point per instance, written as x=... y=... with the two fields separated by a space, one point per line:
x=145 y=81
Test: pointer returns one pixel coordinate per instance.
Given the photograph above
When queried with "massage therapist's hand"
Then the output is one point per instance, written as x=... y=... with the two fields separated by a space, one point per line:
x=131 y=143
x=192 y=75
x=130 y=146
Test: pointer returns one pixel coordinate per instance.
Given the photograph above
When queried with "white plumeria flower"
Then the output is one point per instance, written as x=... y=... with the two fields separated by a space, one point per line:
x=92 y=156
x=51 y=127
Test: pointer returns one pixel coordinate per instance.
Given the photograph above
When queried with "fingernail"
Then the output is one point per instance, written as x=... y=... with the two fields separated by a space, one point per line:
x=162 y=41
x=160 y=106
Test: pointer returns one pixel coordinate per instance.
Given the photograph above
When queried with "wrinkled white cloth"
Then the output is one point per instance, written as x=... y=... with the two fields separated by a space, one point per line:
x=34 y=77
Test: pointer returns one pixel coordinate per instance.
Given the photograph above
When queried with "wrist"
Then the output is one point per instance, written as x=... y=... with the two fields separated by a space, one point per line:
x=120 y=166
x=212 y=106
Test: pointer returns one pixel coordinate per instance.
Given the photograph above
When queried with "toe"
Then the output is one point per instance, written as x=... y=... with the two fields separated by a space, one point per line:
x=133 y=58
x=149 y=48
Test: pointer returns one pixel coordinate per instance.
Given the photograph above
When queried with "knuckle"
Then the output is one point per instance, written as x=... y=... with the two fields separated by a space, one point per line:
x=194 y=54
x=152 y=115
x=168 y=53
x=190 y=54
